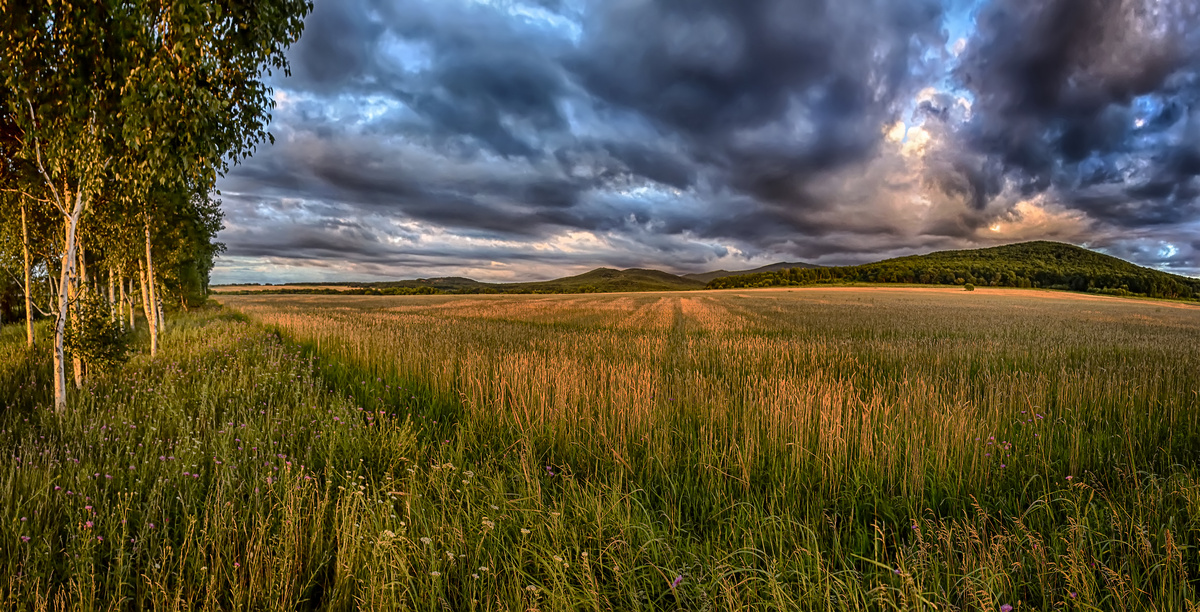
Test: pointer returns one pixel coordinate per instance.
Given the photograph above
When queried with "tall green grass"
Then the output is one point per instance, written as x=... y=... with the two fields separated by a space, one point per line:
x=807 y=450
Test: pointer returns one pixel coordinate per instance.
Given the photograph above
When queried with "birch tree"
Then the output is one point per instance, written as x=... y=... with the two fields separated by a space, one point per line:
x=214 y=55
x=61 y=69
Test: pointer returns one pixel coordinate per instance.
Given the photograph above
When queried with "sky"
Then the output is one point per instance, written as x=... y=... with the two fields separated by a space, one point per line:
x=531 y=139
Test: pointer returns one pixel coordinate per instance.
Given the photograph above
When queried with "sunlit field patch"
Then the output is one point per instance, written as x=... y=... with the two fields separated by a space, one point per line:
x=807 y=448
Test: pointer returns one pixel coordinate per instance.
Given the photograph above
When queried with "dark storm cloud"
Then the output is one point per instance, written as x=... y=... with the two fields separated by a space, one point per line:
x=765 y=94
x=682 y=131
x=1091 y=98
x=726 y=84
x=336 y=49
x=467 y=71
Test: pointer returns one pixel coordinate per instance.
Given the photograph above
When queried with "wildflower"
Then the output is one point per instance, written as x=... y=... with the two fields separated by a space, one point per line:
x=676 y=582
x=25 y=538
x=1006 y=608
x=435 y=574
x=524 y=531
x=426 y=541
x=236 y=565
x=1070 y=477
x=88 y=525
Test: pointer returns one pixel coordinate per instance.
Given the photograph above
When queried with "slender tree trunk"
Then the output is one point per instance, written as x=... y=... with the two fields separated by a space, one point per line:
x=80 y=290
x=129 y=296
x=121 y=297
x=142 y=293
x=148 y=298
x=28 y=279
x=112 y=298
x=83 y=271
x=155 y=301
x=51 y=283
x=60 y=323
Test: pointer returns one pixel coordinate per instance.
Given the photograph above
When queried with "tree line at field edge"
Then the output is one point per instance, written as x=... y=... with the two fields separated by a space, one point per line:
x=116 y=119
x=1040 y=264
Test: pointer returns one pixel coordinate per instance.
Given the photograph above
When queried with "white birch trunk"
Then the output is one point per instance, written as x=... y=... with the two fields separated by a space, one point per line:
x=60 y=324
x=28 y=278
x=80 y=289
x=148 y=296
x=120 y=305
x=112 y=299
x=129 y=305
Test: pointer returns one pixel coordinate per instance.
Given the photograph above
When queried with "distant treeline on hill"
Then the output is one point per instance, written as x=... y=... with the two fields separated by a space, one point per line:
x=300 y=290
x=1048 y=265
x=384 y=290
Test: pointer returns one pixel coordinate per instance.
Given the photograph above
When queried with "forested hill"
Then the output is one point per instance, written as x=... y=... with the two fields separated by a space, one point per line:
x=1051 y=265
x=600 y=280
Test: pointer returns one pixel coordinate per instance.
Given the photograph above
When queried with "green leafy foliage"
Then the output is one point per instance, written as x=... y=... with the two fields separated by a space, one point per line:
x=94 y=336
x=120 y=116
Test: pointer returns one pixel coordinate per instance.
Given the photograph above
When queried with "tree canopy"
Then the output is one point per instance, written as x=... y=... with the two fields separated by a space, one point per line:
x=116 y=119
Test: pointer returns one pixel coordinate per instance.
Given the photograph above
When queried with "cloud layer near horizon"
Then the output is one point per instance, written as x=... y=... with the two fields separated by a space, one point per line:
x=511 y=139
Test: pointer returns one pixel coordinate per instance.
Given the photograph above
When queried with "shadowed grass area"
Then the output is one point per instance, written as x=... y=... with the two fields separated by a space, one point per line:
x=847 y=449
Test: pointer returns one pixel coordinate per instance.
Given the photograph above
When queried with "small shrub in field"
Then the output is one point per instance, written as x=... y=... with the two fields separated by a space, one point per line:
x=968 y=287
x=94 y=336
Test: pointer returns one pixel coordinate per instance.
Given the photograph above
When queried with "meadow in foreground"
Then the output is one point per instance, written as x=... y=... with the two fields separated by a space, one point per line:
x=806 y=449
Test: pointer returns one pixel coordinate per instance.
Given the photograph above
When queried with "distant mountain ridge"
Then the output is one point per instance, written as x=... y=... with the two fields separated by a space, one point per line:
x=600 y=280
x=708 y=276
x=1045 y=264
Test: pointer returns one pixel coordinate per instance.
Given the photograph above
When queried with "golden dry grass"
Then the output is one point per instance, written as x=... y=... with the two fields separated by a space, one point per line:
x=826 y=448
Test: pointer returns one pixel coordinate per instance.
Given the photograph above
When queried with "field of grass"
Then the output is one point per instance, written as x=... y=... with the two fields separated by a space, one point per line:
x=836 y=448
